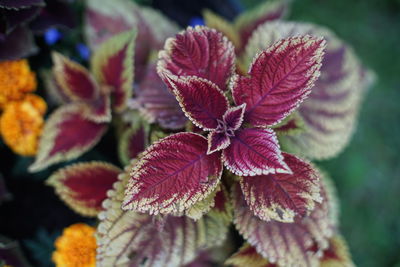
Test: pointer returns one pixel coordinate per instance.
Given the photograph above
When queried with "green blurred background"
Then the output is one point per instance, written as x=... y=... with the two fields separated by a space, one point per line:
x=367 y=173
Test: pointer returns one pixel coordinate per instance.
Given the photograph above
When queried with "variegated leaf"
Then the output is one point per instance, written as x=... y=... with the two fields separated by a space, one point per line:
x=233 y=117
x=66 y=135
x=337 y=255
x=217 y=141
x=280 y=79
x=330 y=111
x=74 y=80
x=291 y=125
x=247 y=256
x=105 y=19
x=249 y=21
x=202 y=101
x=202 y=207
x=286 y=244
x=133 y=141
x=172 y=175
x=99 y=110
x=283 y=196
x=83 y=186
x=127 y=238
x=156 y=103
x=112 y=65
x=254 y=151
x=200 y=52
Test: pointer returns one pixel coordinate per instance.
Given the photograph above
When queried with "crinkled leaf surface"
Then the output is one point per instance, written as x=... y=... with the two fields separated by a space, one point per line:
x=83 y=186
x=113 y=66
x=66 y=135
x=254 y=151
x=286 y=244
x=200 y=52
x=201 y=100
x=127 y=238
x=330 y=111
x=279 y=79
x=172 y=175
x=283 y=196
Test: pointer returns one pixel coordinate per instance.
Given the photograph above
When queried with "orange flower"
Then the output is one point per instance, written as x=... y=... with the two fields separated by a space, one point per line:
x=76 y=247
x=16 y=79
x=21 y=124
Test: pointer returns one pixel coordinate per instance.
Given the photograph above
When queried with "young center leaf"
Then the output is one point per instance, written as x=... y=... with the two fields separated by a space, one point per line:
x=172 y=175
x=254 y=151
x=83 y=186
x=73 y=80
x=283 y=196
x=200 y=52
x=279 y=79
x=201 y=100
x=113 y=66
x=287 y=244
x=67 y=134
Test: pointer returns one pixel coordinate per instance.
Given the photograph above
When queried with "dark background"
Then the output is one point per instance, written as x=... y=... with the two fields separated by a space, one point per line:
x=367 y=173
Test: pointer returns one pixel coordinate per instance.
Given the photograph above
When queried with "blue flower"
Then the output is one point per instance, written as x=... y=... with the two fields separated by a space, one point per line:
x=52 y=35
x=83 y=51
x=196 y=21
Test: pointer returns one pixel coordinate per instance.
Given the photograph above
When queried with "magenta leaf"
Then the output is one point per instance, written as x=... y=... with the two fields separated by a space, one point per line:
x=84 y=186
x=283 y=196
x=74 y=80
x=172 y=175
x=201 y=100
x=67 y=135
x=156 y=103
x=233 y=117
x=287 y=244
x=200 y=52
x=253 y=152
x=280 y=79
x=217 y=141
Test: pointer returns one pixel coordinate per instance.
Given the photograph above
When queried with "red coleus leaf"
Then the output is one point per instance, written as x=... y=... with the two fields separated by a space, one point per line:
x=283 y=196
x=83 y=186
x=217 y=141
x=233 y=118
x=99 y=110
x=74 y=80
x=172 y=175
x=201 y=100
x=156 y=103
x=254 y=151
x=67 y=134
x=200 y=52
x=127 y=238
x=112 y=65
x=248 y=256
x=280 y=78
x=287 y=244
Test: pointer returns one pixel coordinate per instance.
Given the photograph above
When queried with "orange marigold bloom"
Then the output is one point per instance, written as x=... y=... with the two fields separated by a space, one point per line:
x=76 y=247
x=16 y=79
x=21 y=124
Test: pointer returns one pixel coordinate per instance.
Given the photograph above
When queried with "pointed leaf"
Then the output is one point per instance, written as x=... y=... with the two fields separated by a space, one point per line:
x=253 y=152
x=286 y=244
x=337 y=254
x=234 y=117
x=83 y=186
x=132 y=142
x=172 y=175
x=330 y=111
x=156 y=103
x=247 y=256
x=201 y=100
x=249 y=21
x=112 y=65
x=280 y=78
x=200 y=52
x=74 y=80
x=217 y=141
x=66 y=135
x=99 y=110
x=283 y=196
x=127 y=238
